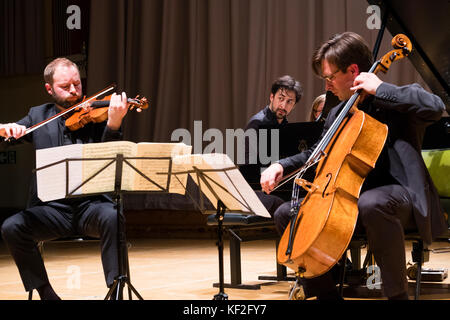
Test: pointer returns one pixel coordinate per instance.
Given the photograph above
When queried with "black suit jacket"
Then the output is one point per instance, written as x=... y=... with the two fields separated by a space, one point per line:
x=52 y=135
x=407 y=111
x=264 y=119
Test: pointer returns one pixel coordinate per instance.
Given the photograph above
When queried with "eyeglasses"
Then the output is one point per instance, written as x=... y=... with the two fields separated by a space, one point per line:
x=330 y=77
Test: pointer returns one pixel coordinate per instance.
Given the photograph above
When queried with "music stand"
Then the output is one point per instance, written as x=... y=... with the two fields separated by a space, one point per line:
x=124 y=275
x=216 y=190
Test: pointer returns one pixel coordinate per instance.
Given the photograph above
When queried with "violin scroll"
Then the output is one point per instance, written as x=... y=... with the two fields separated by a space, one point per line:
x=138 y=103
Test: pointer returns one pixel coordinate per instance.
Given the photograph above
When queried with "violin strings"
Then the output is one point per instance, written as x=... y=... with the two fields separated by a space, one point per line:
x=37 y=126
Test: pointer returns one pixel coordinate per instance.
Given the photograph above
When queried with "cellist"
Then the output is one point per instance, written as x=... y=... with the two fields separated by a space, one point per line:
x=398 y=193
x=91 y=216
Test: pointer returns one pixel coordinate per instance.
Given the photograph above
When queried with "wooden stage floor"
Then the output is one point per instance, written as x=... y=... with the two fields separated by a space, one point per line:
x=166 y=270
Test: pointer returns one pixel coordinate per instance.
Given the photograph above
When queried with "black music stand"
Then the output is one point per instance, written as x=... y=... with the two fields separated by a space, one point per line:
x=215 y=187
x=116 y=290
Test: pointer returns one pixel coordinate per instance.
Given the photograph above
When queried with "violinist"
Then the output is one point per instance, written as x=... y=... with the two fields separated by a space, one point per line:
x=398 y=193
x=93 y=216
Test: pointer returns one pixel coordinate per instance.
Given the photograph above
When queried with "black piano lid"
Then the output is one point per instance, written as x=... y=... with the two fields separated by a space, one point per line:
x=427 y=24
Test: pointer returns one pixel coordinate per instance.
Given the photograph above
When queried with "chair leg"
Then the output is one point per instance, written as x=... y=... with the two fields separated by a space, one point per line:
x=235 y=258
x=30 y=295
x=418 y=257
x=418 y=279
x=281 y=269
x=40 y=246
x=342 y=273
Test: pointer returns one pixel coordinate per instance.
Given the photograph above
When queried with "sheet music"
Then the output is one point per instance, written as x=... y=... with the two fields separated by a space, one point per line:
x=51 y=182
x=158 y=169
x=229 y=185
x=104 y=182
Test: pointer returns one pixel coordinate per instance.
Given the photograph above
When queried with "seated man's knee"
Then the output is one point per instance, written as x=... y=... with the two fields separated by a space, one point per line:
x=370 y=205
x=10 y=229
x=281 y=217
x=108 y=218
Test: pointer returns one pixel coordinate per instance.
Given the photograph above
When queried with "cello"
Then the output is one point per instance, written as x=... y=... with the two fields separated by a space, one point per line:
x=322 y=226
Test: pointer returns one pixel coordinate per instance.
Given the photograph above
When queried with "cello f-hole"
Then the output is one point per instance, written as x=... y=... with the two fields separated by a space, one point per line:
x=329 y=176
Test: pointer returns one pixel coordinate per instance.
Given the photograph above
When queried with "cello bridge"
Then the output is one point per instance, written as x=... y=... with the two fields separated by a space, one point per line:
x=305 y=184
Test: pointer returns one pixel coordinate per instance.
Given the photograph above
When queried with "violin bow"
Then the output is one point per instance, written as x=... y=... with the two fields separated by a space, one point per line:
x=80 y=104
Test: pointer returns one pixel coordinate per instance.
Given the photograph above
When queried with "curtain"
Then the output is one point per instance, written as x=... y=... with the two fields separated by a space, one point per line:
x=21 y=37
x=215 y=60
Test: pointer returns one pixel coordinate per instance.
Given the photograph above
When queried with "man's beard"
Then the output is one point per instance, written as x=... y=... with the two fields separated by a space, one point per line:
x=65 y=103
x=277 y=114
x=280 y=116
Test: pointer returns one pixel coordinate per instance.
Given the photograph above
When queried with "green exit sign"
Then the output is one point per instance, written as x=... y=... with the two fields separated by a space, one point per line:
x=7 y=157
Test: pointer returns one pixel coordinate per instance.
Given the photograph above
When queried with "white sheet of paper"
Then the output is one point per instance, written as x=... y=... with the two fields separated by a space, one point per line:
x=51 y=182
x=236 y=193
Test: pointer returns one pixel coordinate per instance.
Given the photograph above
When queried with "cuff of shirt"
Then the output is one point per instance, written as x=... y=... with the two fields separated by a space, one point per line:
x=111 y=135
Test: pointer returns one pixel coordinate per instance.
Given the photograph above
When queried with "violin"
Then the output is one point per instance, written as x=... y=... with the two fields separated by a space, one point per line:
x=98 y=111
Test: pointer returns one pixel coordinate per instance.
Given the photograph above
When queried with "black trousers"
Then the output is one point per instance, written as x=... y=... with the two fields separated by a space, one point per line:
x=96 y=217
x=270 y=202
x=384 y=215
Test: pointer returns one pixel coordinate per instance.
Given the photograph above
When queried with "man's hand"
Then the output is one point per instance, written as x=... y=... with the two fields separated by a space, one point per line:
x=117 y=110
x=368 y=82
x=14 y=130
x=270 y=177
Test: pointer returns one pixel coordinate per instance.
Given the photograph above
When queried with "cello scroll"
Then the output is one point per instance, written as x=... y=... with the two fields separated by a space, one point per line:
x=402 y=48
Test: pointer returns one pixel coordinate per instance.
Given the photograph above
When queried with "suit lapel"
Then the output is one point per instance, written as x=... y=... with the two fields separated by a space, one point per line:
x=52 y=127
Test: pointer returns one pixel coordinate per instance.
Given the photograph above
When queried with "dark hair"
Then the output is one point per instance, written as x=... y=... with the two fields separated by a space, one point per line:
x=288 y=83
x=342 y=50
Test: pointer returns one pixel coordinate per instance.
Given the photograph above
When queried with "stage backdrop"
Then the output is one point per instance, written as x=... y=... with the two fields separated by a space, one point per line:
x=215 y=60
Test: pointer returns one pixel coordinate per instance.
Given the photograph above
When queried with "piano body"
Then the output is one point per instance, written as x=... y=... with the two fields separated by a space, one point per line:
x=427 y=25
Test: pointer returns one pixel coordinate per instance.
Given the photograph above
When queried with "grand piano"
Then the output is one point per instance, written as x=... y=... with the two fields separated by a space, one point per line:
x=426 y=24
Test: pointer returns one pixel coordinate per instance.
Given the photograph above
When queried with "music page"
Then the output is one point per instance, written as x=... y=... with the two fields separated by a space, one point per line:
x=158 y=166
x=51 y=181
x=219 y=178
x=104 y=180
